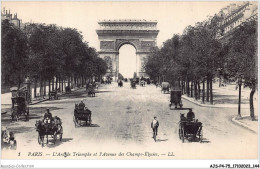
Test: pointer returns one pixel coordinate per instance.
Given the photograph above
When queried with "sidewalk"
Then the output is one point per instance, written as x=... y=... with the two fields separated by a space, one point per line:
x=227 y=97
x=247 y=123
x=6 y=107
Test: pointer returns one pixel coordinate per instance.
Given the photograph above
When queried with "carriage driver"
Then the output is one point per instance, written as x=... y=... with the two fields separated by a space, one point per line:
x=190 y=115
x=47 y=116
x=81 y=105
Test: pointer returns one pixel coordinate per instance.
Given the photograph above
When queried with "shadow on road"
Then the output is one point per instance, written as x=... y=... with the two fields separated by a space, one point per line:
x=204 y=140
x=58 y=142
x=92 y=125
x=159 y=140
x=103 y=91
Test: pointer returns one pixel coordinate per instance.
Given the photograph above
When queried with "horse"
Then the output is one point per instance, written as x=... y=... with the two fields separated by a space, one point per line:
x=165 y=87
x=91 y=93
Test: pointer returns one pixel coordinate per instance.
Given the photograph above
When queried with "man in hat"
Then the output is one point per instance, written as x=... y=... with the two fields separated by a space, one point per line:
x=155 y=125
x=47 y=116
x=190 y=115
x=81 y=105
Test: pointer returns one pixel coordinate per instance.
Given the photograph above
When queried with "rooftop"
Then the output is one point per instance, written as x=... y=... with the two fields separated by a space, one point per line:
x=128 y=21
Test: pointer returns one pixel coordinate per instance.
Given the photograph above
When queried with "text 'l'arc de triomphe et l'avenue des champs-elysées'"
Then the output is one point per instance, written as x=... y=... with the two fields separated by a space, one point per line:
x=113 y=34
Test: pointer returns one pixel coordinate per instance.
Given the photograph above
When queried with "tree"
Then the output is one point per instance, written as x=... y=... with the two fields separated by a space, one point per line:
x=14 y=54
x=242 y=58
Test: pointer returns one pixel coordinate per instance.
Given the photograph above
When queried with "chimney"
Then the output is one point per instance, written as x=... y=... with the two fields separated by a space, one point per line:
x=9 y=11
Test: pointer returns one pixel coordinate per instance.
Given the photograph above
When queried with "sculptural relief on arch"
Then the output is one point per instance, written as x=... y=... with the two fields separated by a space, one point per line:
x=113 y=34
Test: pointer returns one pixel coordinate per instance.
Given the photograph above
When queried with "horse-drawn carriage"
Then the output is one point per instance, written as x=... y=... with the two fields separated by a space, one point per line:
x=20 y=104
x=133 y=84
x=165 y=87
x=142 y=83
x=67 y=89
x=81 y=114
x=7 y=139
x=49 y=127
x=190 y=129
x=176 y=99
x=54 y=95
x=120 y=83
x=91 y=91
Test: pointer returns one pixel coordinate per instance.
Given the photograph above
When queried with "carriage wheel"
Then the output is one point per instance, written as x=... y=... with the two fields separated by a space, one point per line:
x=201 y=135
x=181 y=104
x=75 y=122
x=182 y=138
x=79 y=122
x=54 y=138
x=39 y=139
x=47 y=142
x=60 y=137
x=180 y=133
x=61 y=132
x=27 y=115
x=16 y=117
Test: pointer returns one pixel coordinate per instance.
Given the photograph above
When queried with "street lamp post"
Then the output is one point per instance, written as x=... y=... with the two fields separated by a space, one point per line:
x=28 y=87
x=239 y=97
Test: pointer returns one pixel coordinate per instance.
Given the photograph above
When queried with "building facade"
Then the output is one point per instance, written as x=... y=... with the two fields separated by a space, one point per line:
x=6 y=15
x=234 y=15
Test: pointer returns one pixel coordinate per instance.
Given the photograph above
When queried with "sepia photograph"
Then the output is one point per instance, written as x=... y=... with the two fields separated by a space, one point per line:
x=129 y=80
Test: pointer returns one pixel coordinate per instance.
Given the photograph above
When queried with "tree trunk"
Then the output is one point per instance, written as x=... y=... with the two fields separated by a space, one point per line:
x=61 y=85
x=207 y=97
x=251 y=102
x=191 y=89
x=75 y=81
x=35 y=88
x=211 y=91
x=49 y=88
x=203 y=91
x=182 y=87
x=188 y=87
x=195 y=90
x=56 y=83
x=198 y=89
x=41 y=91
x=82 y=81
x=52 y=84
x=44 y=88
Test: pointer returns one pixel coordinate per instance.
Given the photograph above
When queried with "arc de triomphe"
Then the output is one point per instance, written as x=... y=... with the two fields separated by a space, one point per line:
x=113 y=34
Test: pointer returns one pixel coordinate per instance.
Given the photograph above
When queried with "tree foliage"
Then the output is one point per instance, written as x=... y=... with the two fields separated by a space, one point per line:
x=46 y=51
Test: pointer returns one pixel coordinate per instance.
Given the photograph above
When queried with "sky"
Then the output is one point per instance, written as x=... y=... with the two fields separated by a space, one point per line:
x=172 y=17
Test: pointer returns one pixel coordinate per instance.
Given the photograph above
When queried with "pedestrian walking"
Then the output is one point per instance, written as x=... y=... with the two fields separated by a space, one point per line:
x=154 y=126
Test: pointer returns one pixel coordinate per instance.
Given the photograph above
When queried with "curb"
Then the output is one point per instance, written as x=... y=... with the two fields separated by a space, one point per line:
x=201 y=105
x=243 y=125
x=205 y=105
x=40 y=101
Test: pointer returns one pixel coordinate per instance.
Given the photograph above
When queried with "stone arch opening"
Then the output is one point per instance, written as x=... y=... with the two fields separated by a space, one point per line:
x=128 y=61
